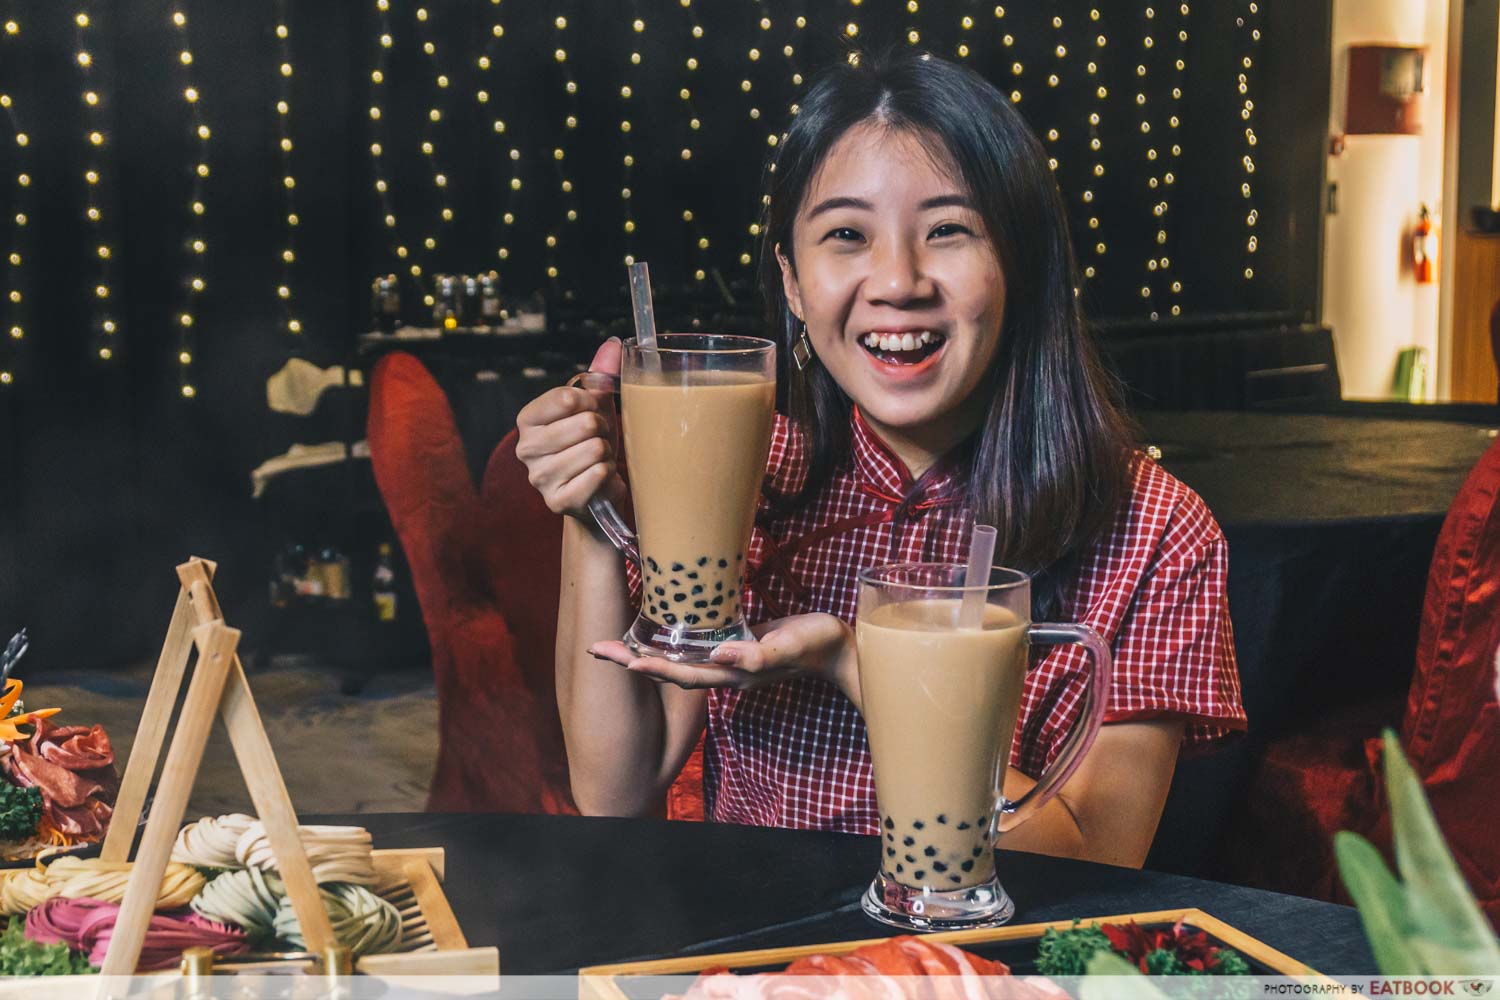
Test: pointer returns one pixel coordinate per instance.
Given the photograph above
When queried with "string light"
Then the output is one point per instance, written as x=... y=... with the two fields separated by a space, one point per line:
x=692 y=125
x=1174 y=122
x=105 y=327
x=1007 y=45
x=286 y=286
x=1150 y=141
x=569 y=200
x=185 y=320
x=1095 y=49
x=1249 y=24
x=409 y=263
x=432 y=121
x=500 y=130
x=13 y=306
x=772 y=139
x=627 y=127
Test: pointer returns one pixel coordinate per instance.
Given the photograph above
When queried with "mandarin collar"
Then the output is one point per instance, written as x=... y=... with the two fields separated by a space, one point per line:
x=879 y=469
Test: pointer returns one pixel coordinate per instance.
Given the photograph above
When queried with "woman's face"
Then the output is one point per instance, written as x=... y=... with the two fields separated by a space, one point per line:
x=899 y=285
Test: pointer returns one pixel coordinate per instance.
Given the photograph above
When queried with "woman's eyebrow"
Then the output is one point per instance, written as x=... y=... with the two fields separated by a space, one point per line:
x=829 y=204
x=946 y=201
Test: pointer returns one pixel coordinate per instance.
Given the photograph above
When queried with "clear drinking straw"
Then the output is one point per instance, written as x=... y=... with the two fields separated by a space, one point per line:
x=645 y=315
x=977 y=577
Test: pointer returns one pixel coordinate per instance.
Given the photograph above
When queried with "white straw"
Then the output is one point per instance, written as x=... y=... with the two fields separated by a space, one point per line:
x=977 y=577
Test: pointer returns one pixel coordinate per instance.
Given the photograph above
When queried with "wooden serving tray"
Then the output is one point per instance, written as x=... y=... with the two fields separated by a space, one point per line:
x=432 y=943
x=1009 y=944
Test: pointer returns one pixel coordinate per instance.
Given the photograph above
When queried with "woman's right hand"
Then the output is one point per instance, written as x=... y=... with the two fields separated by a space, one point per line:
x=566 y=438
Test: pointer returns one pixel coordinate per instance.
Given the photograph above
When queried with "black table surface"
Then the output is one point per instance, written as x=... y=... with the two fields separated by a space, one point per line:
x=1258 y=469
x=557 y=893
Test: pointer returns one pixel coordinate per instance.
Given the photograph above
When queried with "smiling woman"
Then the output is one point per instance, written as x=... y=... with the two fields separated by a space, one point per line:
x=917 y=269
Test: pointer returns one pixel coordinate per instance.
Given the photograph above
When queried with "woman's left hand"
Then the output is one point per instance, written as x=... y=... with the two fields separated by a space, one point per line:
x=802 y=645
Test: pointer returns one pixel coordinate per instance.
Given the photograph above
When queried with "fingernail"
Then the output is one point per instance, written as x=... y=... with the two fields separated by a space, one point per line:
x=614 y=340
x=594 y=649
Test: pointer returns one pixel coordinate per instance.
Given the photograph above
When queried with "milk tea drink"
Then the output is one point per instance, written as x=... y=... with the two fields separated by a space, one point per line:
x=695 y=450
x=940 y=706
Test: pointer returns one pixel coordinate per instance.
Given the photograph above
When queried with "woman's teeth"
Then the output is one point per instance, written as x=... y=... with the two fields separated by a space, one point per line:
x=901 y=341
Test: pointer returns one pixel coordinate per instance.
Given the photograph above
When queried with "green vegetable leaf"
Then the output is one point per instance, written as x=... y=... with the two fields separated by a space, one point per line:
x=20 y=956
x=20 y=811
x=1067 y=953
x=1381 y=902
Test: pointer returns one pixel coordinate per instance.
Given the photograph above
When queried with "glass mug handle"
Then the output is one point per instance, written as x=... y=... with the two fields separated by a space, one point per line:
x=608 y=518
x=1011 y=814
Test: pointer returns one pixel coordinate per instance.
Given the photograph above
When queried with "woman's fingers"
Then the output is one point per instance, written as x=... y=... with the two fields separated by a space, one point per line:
x=689 y=676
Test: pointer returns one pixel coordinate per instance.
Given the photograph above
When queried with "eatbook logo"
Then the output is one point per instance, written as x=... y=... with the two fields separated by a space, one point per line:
x=1478 y=987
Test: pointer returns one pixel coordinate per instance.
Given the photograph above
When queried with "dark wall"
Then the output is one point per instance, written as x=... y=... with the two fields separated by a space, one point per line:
x=108 y=476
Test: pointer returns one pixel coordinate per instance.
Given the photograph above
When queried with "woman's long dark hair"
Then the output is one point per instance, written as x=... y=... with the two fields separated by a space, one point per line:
x=1050 y=464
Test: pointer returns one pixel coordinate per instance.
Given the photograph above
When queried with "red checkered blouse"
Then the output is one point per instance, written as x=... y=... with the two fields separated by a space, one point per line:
x=794 y=754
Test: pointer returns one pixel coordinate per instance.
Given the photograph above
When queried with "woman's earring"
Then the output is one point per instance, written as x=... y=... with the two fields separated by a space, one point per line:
x=802 y=352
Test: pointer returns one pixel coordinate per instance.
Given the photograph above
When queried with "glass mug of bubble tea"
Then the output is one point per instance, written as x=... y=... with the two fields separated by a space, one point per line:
x=941 y=687
x=697 y=414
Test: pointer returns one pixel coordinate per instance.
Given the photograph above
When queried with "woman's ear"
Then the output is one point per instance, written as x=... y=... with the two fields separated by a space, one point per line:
x=789 y=283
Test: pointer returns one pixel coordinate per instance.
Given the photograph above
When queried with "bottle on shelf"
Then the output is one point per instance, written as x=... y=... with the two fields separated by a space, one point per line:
x=383 y=587
x=333 y=566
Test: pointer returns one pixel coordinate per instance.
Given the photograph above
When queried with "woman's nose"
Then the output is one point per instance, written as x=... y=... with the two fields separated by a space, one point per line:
x=897 y=276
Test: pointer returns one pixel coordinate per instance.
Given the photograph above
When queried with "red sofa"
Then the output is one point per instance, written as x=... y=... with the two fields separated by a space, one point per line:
x=1327 y=778
x=484 y=564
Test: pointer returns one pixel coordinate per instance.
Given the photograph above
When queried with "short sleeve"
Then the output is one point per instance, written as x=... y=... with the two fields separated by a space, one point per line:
x=1156 y=589
x=1174 y=649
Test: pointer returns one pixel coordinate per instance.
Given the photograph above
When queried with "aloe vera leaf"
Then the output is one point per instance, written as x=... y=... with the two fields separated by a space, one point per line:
x=1382 y=905
x=1120 y=980
x=1451 y=933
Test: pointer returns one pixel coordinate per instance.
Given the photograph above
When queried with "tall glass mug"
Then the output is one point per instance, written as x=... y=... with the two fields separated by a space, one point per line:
x=940 y=706
x=697 y=413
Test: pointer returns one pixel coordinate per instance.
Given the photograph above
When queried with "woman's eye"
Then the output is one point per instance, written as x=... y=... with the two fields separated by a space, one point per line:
x=844 y=234
x=948 y=229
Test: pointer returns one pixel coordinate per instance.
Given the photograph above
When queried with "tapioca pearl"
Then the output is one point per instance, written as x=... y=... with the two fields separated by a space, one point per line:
x=692 y=574
x=890 y=852
x=919 y=875
x=679 y=597
x=967 y=866
x=674 y=582
x=669 y=618
x=910 y=859
x=930 y=851
x=719 y=585
x=677 y=567
x=908 y=841
x=917 y=824
x=723 y=564
x=717 y=601
x=731 y=592
x=939 y=867
x=700 y=604
x=982 y=821
x=954 y=879
x=900 y=868
x=652 y=563
x=978 y=851
x=738 y=556
x=660 y=591
x=712 y=615
x=691 y=619
x=964 y=825
x=942 y=818
x=697 y=588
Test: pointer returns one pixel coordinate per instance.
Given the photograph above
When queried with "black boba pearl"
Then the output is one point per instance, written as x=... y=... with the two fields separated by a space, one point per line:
x=697 y=588
x=661 y=591
x=679 y=597
x=911 y=859
x=713 y=615
x=917 y=824
x=652 y=563
x=677 y=567
x=939 y=867
x=700 y=604
x=690 y=619
x=717 y=600
x=692 y=574
x=719 y=585
x=738 y=556
x=954 y=879
x=890 y=852
x=964 y=825
x=908 y=841
x=675 y=582
x=703 y=560
x=731 y=592
x=890 y=826
x=931 y=852
x=978 y=851
x=918 y=875
x=723 y=564
x=942 y=818
x=900 y=868
x=967 y=866
x=980 y=821
x=670 y=619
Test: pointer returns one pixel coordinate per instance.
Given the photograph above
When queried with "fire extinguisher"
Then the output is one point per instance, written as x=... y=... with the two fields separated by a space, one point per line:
x=1424 y=248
